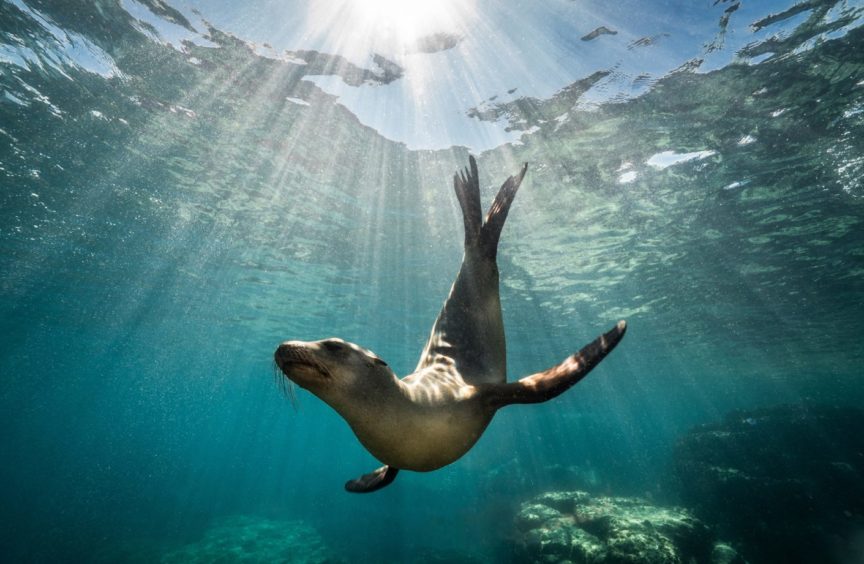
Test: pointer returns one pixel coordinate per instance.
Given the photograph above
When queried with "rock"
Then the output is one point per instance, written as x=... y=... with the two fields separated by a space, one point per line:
x=576 y=527
x=522 y=479
x=785 y=483
x=254 y=539
x=532 y=515
x=724 y=554
x=565 y=502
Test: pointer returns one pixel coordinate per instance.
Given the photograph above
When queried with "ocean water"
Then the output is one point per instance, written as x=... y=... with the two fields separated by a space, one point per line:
x=184 y=185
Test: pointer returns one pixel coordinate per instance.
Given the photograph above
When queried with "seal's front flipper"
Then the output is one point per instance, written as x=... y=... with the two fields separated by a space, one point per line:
x=373 y=481
x=550 y=383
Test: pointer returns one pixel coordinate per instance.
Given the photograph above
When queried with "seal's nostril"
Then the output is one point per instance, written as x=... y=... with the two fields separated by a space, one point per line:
x=286 y=353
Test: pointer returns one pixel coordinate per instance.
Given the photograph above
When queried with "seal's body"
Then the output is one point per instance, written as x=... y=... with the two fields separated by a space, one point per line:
x=435 y=415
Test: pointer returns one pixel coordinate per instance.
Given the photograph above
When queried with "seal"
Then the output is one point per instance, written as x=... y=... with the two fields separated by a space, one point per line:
x=435 y=415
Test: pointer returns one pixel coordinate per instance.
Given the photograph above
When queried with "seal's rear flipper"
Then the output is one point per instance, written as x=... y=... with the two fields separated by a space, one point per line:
x=550 y=383
x=478 y=231
x=372 y=481
x=494 y=222
x=467 y=186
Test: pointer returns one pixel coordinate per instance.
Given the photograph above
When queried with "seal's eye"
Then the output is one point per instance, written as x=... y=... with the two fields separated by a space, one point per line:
x=377 y=360
x=332 y=346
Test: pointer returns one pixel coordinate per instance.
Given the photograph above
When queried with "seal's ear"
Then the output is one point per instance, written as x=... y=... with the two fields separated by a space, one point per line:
x=554 y=381
x=373 y=481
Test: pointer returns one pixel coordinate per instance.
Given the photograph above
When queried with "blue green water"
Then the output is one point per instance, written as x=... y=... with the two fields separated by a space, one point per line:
x=178 y=196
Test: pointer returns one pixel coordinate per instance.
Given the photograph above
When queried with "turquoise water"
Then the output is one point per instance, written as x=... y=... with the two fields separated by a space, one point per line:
x=181 y=192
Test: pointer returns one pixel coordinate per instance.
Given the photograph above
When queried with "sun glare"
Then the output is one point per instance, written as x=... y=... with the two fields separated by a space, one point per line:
x=391 y=27
x=406 y=19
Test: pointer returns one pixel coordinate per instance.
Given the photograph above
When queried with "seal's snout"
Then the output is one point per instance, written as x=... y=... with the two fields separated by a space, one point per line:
x=299 y=362
x=281 y=354
x=286 y=353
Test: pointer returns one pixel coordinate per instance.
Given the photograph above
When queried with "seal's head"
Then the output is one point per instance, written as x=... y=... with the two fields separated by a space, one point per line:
x=333 y=369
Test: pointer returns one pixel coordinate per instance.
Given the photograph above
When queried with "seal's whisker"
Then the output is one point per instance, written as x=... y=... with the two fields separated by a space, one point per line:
x=286 y=386
x=308 y=358
x=292 y=396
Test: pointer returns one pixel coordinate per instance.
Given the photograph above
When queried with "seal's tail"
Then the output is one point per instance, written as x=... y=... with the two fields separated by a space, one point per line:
x=486 y=233
x=550 y=383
